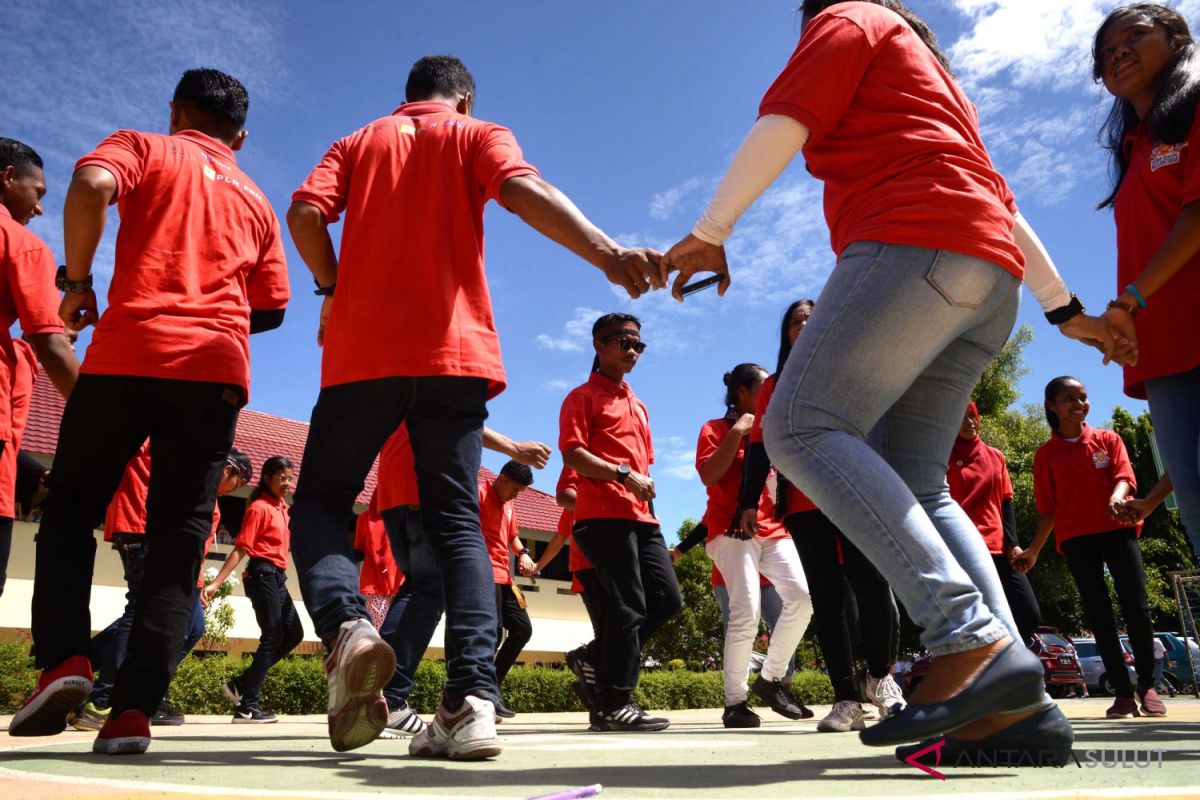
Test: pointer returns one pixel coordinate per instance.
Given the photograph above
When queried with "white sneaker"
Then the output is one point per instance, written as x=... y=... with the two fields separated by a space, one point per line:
x=401 y=723
x=885 y=693
x=845 y=716
x=358 y=666
x=468 y=734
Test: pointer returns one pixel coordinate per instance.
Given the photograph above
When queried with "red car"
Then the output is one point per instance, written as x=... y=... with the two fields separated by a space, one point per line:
x=1059 y=661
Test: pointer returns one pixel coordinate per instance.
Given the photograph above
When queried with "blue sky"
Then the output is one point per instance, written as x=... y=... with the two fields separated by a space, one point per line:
x=633 y=109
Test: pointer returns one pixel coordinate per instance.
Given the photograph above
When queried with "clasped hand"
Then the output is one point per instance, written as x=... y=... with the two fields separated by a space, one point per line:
x=1111 y=334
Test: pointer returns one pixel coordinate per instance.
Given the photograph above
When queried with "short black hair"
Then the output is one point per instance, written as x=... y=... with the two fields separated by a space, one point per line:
x=611 y=321
x=1052 y=389
x=18 y=155
x=438 y=75
x=239 y=462
x=520 y=473
x=215 y=100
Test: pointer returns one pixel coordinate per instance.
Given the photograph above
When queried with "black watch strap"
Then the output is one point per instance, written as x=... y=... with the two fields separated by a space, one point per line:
x=324 y=291
x=71 y=287
x=1065 y=313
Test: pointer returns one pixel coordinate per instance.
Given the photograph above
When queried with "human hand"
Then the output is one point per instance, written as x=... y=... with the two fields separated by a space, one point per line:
x=1099 y=333
x=641 y=486
x=326 y=307
x=675 y=555
x=691 y=255
x=525 y=565
x=78 y=310
x=1134 y=510
x=1121 y=322
x=635 y=269
x=748 y=524
x=207 y=594
x=1024 y=560
x=743 y=425
x=533 y=454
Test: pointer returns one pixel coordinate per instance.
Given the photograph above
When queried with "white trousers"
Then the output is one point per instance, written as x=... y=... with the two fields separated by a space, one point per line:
x=741 y=562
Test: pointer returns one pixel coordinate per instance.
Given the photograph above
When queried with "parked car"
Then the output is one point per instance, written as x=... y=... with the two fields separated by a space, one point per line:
x=1092 y=665
x=1059 y=661
x=1179 y=675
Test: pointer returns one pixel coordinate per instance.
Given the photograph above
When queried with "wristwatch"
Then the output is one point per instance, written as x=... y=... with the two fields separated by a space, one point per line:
x=623 y=471
x=1065 y=313
x=71 y=287
x=324 y=291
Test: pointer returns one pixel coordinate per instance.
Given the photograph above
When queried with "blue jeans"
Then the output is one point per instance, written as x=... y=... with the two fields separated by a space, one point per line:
x=417 y=607
x=1175 y=407
x=772 y=607
x=350 y=424
x=866 y=412
x=110 y=644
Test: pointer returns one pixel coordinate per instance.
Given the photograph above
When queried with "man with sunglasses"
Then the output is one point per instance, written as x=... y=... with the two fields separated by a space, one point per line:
x=604 y=435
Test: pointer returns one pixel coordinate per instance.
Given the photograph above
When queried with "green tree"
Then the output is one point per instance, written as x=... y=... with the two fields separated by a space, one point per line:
x=696 y=634
x=997 y=388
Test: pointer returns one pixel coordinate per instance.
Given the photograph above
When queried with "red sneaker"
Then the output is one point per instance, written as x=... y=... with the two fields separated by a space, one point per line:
x=1123 y=707
x=1152 y=704
x=128 y=733
x=59 y=692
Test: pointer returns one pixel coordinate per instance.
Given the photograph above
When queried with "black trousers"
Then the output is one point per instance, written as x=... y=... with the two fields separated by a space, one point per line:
x=6 y=531
x=266 y=586
x=190 y=425
x=1021 y=599
x=634 y=568
x=595 y=601
x=833 y=585
x=513 y=620
x=1086 y=557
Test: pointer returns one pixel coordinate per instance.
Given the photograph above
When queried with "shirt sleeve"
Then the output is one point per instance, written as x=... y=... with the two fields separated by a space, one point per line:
x=575 y=422
x=707 y=444
x=328 y=185
x=267 y=288
x=498 y=159
x=253 y=522
x=822 y=76
x=1043 y=485
x=124 y=154
x=1122 y=467
x=1006 y=490
x=31 y=282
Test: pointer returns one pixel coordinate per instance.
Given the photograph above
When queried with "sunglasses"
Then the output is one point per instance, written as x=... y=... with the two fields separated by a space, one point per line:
x=626 y=343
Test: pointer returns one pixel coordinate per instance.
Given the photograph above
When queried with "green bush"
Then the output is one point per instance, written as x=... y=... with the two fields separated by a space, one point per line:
x=813 y=688
x=18 y=678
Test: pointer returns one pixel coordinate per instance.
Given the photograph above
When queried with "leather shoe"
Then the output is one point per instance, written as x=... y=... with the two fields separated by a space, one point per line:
x=1042 y=740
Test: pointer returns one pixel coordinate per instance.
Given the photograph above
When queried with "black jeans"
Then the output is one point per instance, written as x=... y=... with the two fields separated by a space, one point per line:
x=1021 y=599
x=350 y=424
x=832 y=585
x=190 y=425
x=1086 y=557
x=6 y=532
x=513 y=619
x=110 y=645
x=266 y=586
x=595 y=600
x=634 y=568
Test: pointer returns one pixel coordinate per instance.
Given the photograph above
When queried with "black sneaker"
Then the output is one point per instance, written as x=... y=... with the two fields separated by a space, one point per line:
x=251 y=714
x=503 y=711
x=233 y=691
x=585 y=686
x=740 y=715
x=628 y=717
x=166 y=715
x=774 y=694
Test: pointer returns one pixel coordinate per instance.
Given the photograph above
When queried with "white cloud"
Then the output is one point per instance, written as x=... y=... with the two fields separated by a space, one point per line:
x=558 y=385
x=674 y=458
x=664 y=204
x=576 y=333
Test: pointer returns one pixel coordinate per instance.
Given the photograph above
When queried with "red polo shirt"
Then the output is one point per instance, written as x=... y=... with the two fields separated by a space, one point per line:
x=265 y=533
x=576 y=560
x=198 y=247
x=1074 y=480
x=397 y=477
x=498 y=521
x=610 y=422
x=127 y=509
x=1161 y=180
x=23 y=374
x=796 y=500
x=721 y=511
x=979 y=482
x=412 y=293
x=27 y=296
x=379 y=574
x=894 y=139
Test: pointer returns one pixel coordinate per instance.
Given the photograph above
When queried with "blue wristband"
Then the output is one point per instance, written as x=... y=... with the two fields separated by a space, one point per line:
x=1141 y=301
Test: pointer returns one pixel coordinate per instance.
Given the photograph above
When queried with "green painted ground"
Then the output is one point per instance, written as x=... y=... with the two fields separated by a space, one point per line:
x=696 y=758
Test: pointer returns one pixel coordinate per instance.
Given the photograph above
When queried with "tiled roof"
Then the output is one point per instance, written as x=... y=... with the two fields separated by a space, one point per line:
x=261 y=436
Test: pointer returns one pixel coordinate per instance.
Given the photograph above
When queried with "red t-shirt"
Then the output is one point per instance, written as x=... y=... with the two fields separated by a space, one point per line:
x=723 y=495
x=498 y=521
x=28 y=296
x=576 y=560
x=198 y=247
x=1161 y=180
x=796 y=501
x=127 y=509
x=208 y=544
x=412 y=293
x=609 y=421
x=397 y=477
x=979 y=482
x=894 y=139
x=23 y=374
x=265 y=533
x=1074 y=480
x=379 y=574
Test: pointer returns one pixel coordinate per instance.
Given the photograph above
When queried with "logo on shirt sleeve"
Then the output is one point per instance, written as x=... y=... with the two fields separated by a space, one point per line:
x=1101 y=460
x=1164 y=155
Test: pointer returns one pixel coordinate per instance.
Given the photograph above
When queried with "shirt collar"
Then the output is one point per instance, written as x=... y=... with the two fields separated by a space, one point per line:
x=208 y=143
x=5 y=212
x=423 y=107
x=1084 y=437
x=598 y=380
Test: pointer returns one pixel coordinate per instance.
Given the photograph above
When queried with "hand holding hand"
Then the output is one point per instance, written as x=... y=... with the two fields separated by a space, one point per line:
x=748 y=524
x=675 y=555
x=1116 y=344
x=1023 y=560
x=326 y=307
x=641 y=486
x=78 y=310
x=1134 y=510
x=207 y=594
x=532 y=454
x=525 y=565
x=635 y=269
x=1121 y=323
x=691 y=255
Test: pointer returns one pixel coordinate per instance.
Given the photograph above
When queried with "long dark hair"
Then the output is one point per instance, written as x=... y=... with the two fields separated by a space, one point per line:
x=270 y=468
x=785 y=345
x=743 y=375
x=1170 y=117
x=1052 y=389
x=810 y=8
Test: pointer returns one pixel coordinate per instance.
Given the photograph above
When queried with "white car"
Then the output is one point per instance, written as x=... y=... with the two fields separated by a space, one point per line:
x=1092 y=665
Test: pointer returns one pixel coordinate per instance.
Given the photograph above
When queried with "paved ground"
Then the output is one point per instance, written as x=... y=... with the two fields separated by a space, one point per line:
x=544 y=753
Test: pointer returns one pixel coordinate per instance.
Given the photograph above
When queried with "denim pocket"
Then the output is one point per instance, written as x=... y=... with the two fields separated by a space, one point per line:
x=963 y=281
